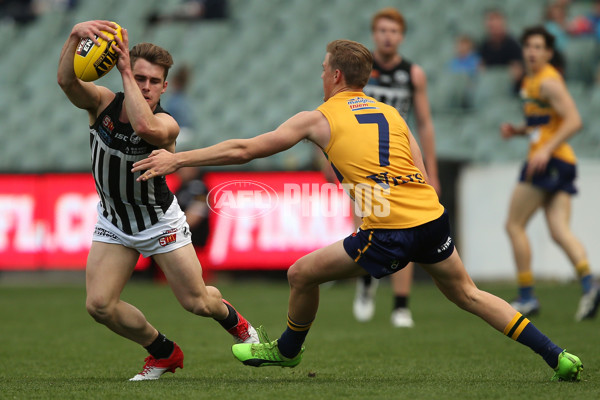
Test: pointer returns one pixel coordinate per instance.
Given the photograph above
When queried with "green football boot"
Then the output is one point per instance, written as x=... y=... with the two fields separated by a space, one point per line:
x=568 y=369
x=264 y=355
x=262 y=335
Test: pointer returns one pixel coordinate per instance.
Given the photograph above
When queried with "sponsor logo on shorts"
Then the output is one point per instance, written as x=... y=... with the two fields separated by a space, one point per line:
x=395 y=264
x=103 y=232
x=167 y=240
x=445 y=246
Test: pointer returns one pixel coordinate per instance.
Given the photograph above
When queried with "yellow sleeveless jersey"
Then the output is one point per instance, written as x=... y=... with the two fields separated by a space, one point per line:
x=541 y=119
x=370 y=154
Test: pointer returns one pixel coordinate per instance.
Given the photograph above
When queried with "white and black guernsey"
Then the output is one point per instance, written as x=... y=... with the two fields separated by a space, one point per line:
x=393 y=87
x=129 y=205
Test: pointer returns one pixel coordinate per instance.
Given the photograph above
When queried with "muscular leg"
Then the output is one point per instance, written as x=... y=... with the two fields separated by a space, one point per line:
x=109 y=267
x=526 y=199
x=451 y=277
x=305 y=275
x=184 y=274
x=453 y=280
x=558 y=216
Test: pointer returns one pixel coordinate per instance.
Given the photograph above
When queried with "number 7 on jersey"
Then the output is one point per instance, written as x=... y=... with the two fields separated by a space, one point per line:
x=384 y=134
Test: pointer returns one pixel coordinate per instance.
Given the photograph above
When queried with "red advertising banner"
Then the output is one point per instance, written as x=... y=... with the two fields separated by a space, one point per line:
x=258 y=220
x=46 y=221
x=269 y=220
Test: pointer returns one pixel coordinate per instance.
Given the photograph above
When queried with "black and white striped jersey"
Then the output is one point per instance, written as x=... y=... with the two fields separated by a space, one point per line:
x=129 y=205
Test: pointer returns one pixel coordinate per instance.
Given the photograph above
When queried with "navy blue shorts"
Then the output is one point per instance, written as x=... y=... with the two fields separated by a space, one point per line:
x=382 y=252
x=558 y=176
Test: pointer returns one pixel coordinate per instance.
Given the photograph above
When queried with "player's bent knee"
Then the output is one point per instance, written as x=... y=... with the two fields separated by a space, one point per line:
x=468 y=299
x=198 y=307
x=99 y=310
x=511 y=227
x=297 y=276
x=464 y=296
x=558 y=236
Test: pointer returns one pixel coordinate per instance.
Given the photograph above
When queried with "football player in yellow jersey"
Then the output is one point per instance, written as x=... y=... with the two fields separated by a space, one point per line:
x=547 y=178
x=377 y=159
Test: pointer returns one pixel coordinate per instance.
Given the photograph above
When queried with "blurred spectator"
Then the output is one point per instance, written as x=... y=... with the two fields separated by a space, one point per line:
x=25 y=11
x=466 y=60
x=555 y=22
x=193 y=10
x=499 y=48
x=192 y=198
x=588 y=24
x=43 y=6
x=17 y=11
x=177 y=103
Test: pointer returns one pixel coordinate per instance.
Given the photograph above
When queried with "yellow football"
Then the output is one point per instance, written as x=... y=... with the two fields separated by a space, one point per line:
x=92 y=62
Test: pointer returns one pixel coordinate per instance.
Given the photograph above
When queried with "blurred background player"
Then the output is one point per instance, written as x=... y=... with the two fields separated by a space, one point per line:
x=192 y=197
x=403 y=85
x=136 y=218
x=179 y=104
x=547 y=178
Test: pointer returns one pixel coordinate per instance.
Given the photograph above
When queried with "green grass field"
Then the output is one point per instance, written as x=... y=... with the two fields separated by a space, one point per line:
x=51 y=348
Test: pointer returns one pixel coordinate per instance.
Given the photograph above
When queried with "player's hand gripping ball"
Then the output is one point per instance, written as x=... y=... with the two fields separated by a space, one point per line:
x=91 y=61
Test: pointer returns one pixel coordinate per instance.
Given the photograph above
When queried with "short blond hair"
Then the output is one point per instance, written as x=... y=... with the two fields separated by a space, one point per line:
x=353 y=59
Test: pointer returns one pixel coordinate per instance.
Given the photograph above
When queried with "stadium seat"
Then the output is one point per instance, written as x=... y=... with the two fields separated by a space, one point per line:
x=582 y=58
x=492 y=84
x=451 y=91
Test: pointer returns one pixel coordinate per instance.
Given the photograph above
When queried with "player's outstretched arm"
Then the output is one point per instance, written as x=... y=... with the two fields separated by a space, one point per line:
x=85 y=95
x=304 y=125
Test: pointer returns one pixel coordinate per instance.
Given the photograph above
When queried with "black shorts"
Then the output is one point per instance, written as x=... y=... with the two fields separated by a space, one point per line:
x=382 y=252
x=558 y=176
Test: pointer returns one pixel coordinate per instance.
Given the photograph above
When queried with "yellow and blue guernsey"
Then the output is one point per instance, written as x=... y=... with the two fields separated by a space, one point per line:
x=541 y=119
x=370 y=153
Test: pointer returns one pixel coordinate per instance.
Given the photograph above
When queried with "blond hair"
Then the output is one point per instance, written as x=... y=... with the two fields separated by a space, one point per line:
x=353 y=59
